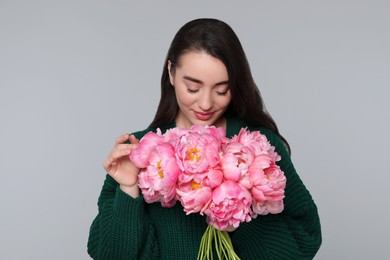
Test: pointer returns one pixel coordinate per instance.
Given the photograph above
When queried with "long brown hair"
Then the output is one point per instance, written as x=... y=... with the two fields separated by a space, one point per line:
x=217 y=39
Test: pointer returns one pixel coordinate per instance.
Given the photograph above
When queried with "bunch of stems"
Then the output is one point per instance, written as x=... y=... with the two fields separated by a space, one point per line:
x=222 y=242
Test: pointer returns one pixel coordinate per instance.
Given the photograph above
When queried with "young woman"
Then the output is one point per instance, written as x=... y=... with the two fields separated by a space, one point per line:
x=206 y=80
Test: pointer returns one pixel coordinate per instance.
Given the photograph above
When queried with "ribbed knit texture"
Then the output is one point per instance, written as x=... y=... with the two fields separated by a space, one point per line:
x=128 y=228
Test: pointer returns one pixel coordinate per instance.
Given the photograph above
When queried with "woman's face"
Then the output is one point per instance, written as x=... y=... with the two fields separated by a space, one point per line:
x=202 y=90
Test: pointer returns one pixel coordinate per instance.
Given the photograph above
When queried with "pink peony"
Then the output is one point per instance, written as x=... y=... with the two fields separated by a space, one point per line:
x=147 y=145
x=235 y=163
x=194 y=190
x=172 y=135
x=194 y=197
x=230 y=206
x=150 y=184
x=158 y=180
x=268 y=188
x=196 y=152
x=257 y=142
x=219 y=133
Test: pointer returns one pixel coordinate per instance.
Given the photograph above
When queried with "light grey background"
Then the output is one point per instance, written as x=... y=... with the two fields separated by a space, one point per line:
x=76 y=74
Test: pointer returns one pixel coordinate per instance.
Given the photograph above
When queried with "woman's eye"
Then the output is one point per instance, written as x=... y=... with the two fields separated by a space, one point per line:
x=223 y=93
x=192 y=90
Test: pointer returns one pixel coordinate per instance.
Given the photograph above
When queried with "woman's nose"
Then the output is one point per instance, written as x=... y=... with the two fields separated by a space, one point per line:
x=205 y=101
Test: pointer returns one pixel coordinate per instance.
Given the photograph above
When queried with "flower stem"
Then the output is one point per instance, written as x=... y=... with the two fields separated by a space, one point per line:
x=222 y=242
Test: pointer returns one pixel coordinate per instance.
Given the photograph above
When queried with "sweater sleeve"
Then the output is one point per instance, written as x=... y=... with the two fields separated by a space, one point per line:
x=293 y=234
x=121 y=230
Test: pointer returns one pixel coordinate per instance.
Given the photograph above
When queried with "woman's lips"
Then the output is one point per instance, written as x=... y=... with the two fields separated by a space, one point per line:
x=203 y=116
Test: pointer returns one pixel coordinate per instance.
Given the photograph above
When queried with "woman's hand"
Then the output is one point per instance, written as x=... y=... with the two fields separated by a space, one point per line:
x=119 y=166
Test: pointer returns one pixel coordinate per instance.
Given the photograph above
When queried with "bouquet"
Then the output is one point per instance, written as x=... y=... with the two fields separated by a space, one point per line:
x=229 y=180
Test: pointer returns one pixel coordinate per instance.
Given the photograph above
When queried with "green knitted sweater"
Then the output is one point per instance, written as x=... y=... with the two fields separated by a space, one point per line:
x=128 y=228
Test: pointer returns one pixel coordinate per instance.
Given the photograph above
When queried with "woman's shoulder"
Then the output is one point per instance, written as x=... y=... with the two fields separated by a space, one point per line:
x=236 y=124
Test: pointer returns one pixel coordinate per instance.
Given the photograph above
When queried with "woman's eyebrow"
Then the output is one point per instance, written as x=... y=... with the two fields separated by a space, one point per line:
x=201 y=82
x=193 y=79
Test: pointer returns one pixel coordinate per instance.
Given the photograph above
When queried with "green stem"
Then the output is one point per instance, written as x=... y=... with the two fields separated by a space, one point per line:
x=222 y=242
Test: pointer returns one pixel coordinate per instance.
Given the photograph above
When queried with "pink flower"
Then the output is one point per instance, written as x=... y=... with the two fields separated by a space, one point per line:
x=194 y=190
x=219 y=133
x=260 y=162
x=230 y=206
x=158 y=180
x=196 y=152
x=194 y=197
x=235 y=163
x=268 y=187
x=147 y=145
x=150 y=184
x=257 y=142
x=172 y=135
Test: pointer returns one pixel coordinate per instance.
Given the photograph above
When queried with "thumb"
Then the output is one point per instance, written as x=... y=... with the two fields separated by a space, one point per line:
x=133 y=139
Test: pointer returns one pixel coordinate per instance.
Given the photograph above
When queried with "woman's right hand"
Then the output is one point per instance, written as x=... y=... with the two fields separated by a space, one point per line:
x=119 y=166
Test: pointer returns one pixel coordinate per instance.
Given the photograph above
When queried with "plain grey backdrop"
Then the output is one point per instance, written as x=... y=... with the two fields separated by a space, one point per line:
x=74 y=75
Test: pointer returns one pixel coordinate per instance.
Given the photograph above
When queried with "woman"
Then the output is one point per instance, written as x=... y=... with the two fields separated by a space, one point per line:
x=206 y=80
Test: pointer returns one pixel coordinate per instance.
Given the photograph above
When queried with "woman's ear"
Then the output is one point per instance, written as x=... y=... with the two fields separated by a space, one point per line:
x=169 y=72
